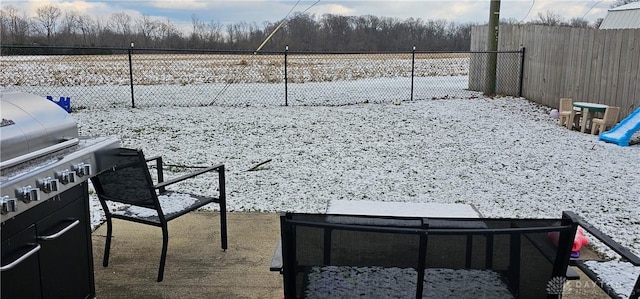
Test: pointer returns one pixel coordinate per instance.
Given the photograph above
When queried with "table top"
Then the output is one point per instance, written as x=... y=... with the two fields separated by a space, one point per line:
x=589 y=105
x=401 y=209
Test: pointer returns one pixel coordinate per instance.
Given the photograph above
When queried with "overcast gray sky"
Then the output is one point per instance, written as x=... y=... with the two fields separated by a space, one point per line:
x=180 y=12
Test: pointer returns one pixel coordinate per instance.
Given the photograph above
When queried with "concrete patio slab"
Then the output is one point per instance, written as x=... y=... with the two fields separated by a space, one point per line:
x=196 y=266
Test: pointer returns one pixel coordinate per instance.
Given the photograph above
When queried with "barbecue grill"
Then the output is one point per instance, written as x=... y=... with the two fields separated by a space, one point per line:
x=44 y=216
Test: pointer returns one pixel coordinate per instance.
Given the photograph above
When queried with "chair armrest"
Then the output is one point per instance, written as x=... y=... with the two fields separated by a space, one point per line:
x=276 y=260
x=608 y=241
x=612 y=290
x=148 y=159
x=159 y=171
x=161 y=185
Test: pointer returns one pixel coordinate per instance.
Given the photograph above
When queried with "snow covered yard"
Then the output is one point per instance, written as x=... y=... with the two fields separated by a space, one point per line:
x=506 y=156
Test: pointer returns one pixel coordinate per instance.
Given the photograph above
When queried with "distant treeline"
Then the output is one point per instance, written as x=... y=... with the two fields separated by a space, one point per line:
x=302 y=32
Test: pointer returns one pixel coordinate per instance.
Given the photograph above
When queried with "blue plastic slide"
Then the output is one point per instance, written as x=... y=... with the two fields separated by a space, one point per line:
x=622 y=132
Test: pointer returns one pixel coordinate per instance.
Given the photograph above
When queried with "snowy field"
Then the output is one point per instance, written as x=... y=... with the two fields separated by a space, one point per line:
x=189 y=69
x=373 y=90
x=506 y=156
x=102 y=81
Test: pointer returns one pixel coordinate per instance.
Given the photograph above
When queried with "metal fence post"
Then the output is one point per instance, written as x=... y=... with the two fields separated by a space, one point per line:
x=521 y=71
x=133 y=103
x=413 y=64
x=286 y=99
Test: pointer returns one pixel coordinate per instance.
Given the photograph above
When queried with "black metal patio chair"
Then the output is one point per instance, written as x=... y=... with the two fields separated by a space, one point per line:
x=128 y=181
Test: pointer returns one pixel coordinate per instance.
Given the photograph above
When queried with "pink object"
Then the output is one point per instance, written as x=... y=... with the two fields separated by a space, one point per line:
x=579 y=241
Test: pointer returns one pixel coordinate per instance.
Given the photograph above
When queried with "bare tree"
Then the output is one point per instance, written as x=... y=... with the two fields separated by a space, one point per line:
x=302 y=31
x=198 y=27
x=549 y=19
x=337 y=30
x=239 y=32
x=167 y=33
x=69 y=28
x=120 y=23
x=48 y=17
x=369 y=29
x=579 y=23
x=15 y=28
x=146 y=28
x=214 y=33
x=231 y=37
x=101 y=27
x=88 y=29
x=509 y=21
x=597 y=22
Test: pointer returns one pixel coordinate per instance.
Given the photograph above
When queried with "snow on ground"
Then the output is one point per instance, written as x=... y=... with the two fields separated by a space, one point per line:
x=506 y=156
x=380 y=282
x=620 y=276
x=335 y=93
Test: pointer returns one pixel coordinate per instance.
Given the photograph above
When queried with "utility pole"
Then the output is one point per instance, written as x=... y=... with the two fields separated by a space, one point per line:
x=492 y=38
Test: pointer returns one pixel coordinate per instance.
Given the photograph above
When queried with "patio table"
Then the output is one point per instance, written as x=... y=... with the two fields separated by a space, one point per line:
x=586 y=109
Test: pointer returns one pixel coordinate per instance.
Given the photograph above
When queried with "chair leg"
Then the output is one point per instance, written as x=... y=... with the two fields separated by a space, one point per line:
x=223 y=208
x=223 y=226
x=563 y=120
x=594 y=128
x=107 y=244
x=163 y=255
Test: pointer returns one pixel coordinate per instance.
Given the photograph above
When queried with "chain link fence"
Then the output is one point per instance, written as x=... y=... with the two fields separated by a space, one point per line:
x=100 y=78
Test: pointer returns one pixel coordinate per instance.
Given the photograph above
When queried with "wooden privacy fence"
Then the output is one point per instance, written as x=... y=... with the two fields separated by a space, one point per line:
x=590 y=65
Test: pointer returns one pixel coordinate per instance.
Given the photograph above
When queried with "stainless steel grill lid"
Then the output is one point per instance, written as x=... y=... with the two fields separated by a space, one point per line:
x=30 y=123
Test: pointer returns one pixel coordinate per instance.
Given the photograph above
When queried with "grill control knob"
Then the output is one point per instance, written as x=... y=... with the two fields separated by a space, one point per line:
x=8 y=204
x=28 y=194
x=48 y=184
x=82 y=169
x=65 y=176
